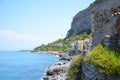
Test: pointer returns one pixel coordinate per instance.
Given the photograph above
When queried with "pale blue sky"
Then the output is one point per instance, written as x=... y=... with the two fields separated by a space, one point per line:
x=25 y=24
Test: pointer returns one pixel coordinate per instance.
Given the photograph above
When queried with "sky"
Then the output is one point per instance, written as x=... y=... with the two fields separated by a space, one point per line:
x=25 y=24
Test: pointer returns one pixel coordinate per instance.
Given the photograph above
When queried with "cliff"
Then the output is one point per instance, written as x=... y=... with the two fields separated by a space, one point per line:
x=98 y=19
x=82 y=20
x=106 y=21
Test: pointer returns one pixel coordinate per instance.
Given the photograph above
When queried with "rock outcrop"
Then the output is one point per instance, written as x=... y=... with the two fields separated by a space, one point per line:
x=82 y=20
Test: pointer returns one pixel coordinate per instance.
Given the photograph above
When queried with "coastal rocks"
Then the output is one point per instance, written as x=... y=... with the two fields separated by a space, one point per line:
x=57 y=71
x=65 y=56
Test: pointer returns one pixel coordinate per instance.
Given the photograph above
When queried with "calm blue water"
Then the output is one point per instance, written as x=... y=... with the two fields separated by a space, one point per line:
x=23 y=65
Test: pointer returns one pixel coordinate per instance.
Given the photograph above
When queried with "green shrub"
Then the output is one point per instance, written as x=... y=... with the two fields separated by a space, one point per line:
x=74 y=72
x=106 y=60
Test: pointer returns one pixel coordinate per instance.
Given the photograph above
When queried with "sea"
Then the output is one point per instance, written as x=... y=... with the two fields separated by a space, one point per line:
x=16 y=65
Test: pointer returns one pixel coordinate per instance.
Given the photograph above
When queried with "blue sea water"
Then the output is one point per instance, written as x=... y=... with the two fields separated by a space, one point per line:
x=16 y=65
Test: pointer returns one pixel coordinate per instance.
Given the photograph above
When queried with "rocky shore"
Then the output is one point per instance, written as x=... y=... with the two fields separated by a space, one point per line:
x=59 y=70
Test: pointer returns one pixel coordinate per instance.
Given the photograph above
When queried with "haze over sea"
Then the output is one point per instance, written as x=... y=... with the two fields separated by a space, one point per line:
x=16 y=65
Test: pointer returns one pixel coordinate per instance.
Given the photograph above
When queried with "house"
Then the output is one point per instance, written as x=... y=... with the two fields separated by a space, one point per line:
x=80 y=45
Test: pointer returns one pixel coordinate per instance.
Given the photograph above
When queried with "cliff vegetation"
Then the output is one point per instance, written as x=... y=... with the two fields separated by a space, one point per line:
x=105 y=59
x=75 y=69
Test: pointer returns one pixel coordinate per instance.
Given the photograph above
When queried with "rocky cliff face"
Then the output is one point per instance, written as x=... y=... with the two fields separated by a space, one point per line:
x=104 y=20
x=96 y=18
x=82 y=20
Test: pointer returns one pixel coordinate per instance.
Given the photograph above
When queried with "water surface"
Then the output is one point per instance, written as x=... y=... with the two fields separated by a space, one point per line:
x=16 y=65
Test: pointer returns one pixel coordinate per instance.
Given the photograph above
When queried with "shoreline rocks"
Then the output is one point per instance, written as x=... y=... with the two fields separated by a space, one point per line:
x=57 y=71
x=65 y=56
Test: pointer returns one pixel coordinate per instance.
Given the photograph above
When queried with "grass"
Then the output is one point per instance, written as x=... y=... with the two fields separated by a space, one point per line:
x=106 y=60
x=75 y=68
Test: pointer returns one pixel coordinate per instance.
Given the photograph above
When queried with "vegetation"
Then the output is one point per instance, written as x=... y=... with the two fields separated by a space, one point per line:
x=74 y=38
x=105 y=59
x=74 y=72
x=57 y=45
x=61 y=45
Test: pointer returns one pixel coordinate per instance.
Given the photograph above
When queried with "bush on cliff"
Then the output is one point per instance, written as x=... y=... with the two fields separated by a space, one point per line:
x=105 y=59
x=74 y=72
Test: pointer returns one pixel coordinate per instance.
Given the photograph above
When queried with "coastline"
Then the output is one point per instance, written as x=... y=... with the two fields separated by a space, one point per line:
x=57 y=71
x=61 y=55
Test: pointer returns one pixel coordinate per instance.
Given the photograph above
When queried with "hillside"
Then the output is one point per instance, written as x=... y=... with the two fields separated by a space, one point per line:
x=61 y=45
